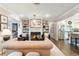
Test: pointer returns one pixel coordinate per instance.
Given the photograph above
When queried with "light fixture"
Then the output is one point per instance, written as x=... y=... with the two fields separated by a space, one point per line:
x=6 y=34
x=36 y=3
x=47 y=15
x=34 y=21
x=34 y=18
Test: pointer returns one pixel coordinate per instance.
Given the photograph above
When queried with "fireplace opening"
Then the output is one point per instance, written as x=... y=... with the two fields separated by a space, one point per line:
x=36 y=36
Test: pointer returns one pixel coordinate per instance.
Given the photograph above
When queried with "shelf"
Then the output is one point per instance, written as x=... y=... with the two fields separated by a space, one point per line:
x=28 y=27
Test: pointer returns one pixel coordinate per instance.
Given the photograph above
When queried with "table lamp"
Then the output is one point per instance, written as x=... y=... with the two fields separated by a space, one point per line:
x=6 y=33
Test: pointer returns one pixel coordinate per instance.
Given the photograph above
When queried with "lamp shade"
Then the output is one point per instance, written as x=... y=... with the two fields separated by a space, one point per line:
x=6 y=32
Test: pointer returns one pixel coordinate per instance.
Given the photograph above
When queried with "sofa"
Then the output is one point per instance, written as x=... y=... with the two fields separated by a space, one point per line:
x=42 y=47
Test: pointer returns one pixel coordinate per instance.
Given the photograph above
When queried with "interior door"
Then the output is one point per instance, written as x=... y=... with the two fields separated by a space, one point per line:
x=14 y=30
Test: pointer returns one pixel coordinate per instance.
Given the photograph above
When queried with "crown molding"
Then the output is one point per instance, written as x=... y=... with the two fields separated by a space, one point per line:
x=69 y=13
x=7 y=10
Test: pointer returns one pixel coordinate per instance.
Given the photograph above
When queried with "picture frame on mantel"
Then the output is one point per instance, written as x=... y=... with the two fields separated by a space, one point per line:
x=35 y=23
x=3 y=22
x=25 y=23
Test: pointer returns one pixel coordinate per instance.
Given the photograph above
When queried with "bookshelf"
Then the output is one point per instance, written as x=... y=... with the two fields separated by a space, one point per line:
x=30 y=25
x=45 y=26
x=25 y=26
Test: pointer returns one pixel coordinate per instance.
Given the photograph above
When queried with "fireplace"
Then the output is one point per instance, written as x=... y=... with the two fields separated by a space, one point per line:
x=35 y=36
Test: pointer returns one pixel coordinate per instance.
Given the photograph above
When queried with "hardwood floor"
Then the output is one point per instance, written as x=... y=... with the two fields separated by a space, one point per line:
x=67 y=49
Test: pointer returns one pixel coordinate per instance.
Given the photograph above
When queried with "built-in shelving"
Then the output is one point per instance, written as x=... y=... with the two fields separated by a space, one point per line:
x=25 y=25
x=30 y=25
x=45 y=26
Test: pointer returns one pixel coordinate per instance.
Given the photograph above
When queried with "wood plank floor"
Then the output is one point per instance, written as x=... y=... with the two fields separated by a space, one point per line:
x=67 y=49
x=55 y=51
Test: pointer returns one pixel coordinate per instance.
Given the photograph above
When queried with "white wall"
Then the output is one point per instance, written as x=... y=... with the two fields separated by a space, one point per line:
x=10 y=21
x=3 y=12
x=54 y=30
x=75 y=23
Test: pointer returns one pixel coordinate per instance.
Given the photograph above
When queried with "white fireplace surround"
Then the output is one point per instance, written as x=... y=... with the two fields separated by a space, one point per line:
x=35 y=30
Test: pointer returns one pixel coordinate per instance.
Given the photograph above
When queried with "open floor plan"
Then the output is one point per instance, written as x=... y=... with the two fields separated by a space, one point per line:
x=39 y=29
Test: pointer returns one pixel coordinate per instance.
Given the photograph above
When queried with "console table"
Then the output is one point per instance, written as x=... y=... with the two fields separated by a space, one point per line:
x=75 y=36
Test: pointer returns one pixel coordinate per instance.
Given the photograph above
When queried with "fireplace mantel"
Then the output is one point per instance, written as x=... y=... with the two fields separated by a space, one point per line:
x=35 y=29
x=38 y=25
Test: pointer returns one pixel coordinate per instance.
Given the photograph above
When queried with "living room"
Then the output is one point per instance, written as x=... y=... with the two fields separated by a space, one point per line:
x=37 y=29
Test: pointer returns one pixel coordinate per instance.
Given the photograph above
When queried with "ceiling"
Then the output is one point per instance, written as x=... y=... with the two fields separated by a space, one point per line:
x=53 y=10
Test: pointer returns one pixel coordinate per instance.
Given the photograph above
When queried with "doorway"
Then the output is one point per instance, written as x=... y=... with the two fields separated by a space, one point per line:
x=14 y=30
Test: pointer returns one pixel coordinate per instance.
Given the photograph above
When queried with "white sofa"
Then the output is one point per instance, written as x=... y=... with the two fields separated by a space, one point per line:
x=43 y=47
x=15 y=54
x=32 y=54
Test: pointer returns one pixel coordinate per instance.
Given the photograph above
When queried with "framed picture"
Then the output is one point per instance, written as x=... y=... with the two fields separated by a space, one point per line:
x=4 y=19
x=25 y=22
x=35 y=23
x=3 y=26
